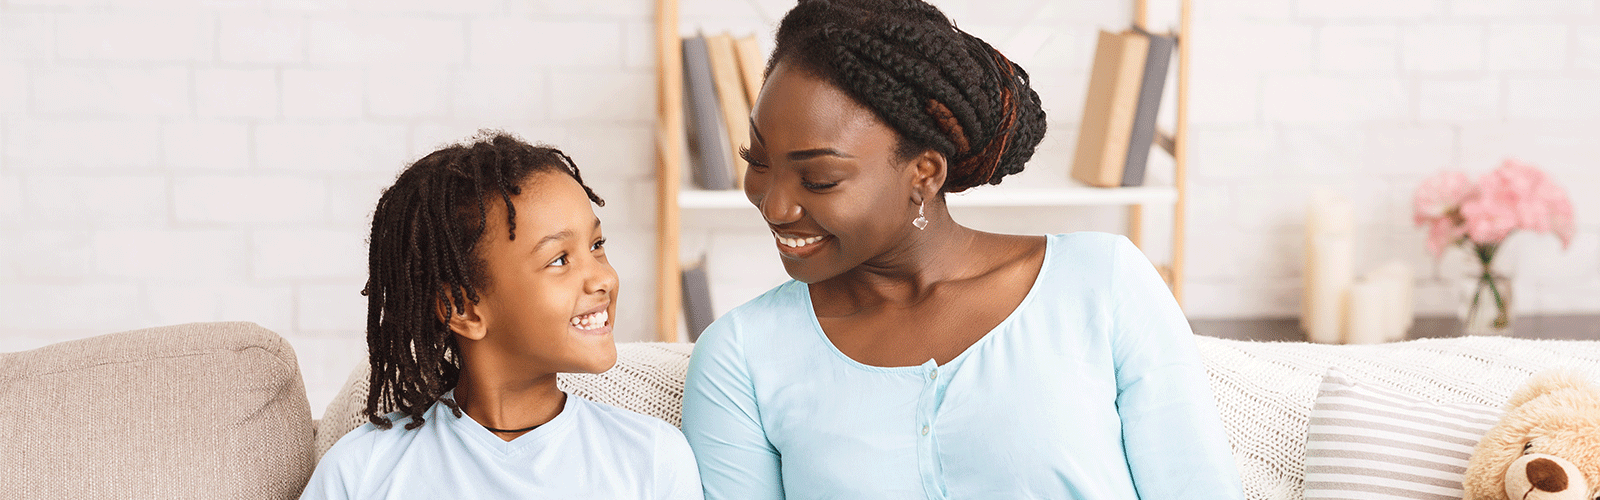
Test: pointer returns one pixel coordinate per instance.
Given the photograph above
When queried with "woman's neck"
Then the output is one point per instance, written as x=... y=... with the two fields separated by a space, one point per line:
x=942 y=252
x=499 y=402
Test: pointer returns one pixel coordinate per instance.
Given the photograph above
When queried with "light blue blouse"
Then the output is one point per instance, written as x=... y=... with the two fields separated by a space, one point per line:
x=1091 y=389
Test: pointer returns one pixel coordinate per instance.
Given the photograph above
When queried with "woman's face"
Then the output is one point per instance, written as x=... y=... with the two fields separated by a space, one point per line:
x=824 y=175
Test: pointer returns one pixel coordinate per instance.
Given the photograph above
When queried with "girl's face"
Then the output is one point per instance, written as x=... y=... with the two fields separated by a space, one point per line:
x=551 y=292
x=823 y=173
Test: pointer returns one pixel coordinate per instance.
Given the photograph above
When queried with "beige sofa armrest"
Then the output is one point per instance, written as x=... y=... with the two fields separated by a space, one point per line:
x=203 y=410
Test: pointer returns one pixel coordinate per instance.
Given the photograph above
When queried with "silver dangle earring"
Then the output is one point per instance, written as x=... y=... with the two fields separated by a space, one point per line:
x=921 y=222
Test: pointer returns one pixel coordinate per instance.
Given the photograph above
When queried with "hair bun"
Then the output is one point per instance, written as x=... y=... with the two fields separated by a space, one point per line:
x=940 y=88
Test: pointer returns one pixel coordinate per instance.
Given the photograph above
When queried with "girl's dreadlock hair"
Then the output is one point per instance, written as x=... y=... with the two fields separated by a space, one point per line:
x=939 y=87
x=423 y=255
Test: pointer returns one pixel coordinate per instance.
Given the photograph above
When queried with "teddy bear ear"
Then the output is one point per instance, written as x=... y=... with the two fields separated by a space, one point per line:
x=1547 y=382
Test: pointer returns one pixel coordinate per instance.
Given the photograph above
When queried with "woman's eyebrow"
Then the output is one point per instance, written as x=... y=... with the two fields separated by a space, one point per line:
x=801 y=155
x=806 y=154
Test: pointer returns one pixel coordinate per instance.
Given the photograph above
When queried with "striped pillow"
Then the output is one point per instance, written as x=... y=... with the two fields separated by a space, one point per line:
x=1370 y=443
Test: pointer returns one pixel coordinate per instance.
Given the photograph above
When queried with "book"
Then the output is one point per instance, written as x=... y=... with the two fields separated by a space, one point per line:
x=709 y=153
x=753 y=63
x=1108 y=110
x=697 y=313
x=729 y=81
x=1157 y=59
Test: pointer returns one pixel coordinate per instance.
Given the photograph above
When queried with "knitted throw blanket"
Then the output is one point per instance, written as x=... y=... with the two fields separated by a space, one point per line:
x=1264 y=390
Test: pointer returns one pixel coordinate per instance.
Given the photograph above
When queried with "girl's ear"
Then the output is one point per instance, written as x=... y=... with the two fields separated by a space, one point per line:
x=928 y=172
x=467 y=322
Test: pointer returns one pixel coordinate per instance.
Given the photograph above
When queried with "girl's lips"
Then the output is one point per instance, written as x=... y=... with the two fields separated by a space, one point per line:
x=595 y=321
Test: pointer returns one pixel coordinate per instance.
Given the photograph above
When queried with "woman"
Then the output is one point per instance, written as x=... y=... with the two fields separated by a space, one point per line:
x=913 y=357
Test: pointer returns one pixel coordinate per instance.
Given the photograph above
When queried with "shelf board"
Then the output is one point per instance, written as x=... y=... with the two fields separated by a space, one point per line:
x=981 y=197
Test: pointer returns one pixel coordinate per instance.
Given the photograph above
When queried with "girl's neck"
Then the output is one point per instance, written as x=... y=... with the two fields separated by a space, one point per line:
x=508 y=403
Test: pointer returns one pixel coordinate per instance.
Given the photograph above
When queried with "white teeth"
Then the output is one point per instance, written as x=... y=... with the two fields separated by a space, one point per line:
x=591 y=321
x=797 y=242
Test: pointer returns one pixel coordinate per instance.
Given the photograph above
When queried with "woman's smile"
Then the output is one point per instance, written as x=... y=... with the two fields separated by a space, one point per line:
x=795 y=246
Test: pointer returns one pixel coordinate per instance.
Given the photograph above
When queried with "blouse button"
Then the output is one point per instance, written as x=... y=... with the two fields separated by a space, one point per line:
x=934 y=375
x=924 y=430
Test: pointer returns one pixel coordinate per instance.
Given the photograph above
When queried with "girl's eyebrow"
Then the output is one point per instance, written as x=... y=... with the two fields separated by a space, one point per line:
x=558 y=236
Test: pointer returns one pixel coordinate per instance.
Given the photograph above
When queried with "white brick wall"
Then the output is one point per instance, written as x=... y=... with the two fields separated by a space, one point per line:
x=203 y=160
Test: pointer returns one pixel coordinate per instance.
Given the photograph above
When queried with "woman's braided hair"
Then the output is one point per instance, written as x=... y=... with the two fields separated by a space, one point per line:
x=423 y=250
x=940 y=88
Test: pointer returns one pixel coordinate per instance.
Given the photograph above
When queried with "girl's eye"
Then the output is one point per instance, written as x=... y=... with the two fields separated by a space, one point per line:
x=600 y=244
x=560 y=261
x=744 y=153
x=817 y=186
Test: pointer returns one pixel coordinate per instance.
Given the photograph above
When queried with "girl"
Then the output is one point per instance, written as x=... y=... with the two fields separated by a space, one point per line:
x=487 y=276
x=913 y=357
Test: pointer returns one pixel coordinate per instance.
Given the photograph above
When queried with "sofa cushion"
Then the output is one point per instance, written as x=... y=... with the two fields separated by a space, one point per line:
x=1264 y=390
x=1367 y=442
x=204 y=410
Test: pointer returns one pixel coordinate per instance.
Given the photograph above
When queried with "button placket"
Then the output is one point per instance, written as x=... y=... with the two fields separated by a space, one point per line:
x=932 y=470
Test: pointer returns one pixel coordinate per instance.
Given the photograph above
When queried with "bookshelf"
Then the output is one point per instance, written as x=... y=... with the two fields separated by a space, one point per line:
x=673 y=197
x=699 y=199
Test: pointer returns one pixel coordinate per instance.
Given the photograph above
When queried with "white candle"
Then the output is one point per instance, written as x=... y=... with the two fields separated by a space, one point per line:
x=1329 y=267
x=1401 y=284
x=1369 y=320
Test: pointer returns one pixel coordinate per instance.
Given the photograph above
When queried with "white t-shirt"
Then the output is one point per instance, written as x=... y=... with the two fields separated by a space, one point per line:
x=589 y=450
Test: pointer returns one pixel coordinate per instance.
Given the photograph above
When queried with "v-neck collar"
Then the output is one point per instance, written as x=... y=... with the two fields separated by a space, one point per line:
x=472 y=431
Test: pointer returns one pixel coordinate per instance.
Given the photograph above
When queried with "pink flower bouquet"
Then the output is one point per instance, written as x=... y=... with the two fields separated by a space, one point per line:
x=1480 y=217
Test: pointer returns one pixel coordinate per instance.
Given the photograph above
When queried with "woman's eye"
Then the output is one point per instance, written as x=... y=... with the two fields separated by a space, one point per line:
x=744 y=153
x=601 y=243
x=560 y=261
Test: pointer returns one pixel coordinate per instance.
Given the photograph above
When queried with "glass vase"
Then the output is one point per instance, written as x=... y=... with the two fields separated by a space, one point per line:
x=1486 y=302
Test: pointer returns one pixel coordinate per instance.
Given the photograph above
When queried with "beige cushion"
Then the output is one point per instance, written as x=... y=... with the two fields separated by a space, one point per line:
x=204 y=410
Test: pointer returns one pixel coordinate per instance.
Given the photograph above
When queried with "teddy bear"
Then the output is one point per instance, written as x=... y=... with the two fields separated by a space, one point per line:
x=1546 y=446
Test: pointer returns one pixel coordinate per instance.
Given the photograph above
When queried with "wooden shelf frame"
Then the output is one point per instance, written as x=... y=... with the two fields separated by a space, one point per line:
x=673 y=197
x=993 y=197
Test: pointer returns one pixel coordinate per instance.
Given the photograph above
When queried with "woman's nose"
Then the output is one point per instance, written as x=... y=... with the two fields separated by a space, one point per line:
x=778 y=208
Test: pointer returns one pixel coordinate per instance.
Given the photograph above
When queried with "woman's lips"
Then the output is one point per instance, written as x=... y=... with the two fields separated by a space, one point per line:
x=798 y=246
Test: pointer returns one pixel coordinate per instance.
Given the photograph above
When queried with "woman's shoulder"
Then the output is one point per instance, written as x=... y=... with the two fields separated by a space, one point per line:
x=784 y=304
x=1087 y=244
x=1089 y=256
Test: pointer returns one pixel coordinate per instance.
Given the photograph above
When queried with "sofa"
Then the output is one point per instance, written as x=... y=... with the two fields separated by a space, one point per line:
x=218 y=410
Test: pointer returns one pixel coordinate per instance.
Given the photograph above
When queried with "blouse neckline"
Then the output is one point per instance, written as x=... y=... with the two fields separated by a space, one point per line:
x=816 y=325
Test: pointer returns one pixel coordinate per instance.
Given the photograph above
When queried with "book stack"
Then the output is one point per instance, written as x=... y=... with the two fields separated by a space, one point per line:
x=722 y=76
x=1119 y=114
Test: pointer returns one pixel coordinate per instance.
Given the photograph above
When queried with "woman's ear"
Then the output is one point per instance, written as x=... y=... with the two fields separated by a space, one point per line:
x=466 y=322
x=928 y=172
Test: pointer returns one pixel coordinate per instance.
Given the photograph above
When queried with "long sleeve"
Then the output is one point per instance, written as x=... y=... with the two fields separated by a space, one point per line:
x=722 y=422
x=1172 y=434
